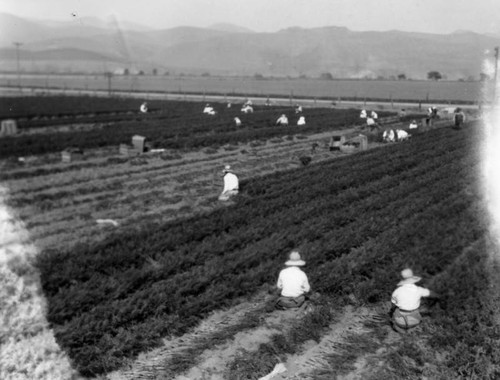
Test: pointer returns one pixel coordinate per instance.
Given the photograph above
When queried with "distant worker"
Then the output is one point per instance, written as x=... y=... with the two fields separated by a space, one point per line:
x=301 y=121
x=144 y=107
x=237 y=121
x=432 y=114
x=298 y=109
x=247 y=108
x=389 y=135
x=282 y=120
x=363 y=114
x=371 y=123
x=293 y=283
x=209 y=110
x=402 y=113
x=413 y=125
x=402 y=135
x=405 y=302
x=458 y=118
x=231 y=184
x=229 y=105
x=374 y=115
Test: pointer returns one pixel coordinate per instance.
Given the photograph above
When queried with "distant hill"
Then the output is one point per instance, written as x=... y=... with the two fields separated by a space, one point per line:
x=226 y=27
x=226 y=49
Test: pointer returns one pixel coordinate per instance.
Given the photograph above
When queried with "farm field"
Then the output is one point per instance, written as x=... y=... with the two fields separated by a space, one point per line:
x=170 y=125
x=406 y=90
x=154 y=297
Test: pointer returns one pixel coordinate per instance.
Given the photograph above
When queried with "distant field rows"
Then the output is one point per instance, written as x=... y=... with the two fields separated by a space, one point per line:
x=156 y=191
x=408 y=90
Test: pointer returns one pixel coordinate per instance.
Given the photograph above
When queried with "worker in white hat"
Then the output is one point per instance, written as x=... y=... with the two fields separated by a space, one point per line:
x=293 y=283
x=405 y=301
x=231 y=184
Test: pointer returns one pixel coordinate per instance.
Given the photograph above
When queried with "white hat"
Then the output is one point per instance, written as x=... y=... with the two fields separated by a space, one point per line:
x=227 y=168
x=295 y=260
x=408 y=277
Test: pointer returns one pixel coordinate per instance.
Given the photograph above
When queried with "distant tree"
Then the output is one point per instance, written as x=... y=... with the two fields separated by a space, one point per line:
x=205 y=74
x=258 y=76
x=434 y=75
x=140 y=72
x=401 y=76
x=126 y=72
x=326 y=76
x=483 y=77
x=155 y=71
x=303 y=76
x=166 y=73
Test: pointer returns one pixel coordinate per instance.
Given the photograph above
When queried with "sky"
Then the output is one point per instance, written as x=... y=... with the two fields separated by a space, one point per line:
x=429 y=16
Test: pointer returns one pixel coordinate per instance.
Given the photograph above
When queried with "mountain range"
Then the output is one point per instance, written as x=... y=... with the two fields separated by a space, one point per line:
x=93 y=45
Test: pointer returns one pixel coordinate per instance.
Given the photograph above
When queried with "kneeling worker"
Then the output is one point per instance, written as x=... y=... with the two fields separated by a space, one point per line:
x=405 y=300
x=231 y=184
x=293 y=283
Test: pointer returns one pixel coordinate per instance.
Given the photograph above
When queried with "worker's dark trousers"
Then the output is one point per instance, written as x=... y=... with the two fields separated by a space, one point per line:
x=406 y=320
x=290 y=302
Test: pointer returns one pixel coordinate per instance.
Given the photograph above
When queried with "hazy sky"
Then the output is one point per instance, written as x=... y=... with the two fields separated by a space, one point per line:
x=432 y=16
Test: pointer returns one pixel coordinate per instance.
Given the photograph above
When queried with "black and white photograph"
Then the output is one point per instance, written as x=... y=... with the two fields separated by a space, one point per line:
x=264 y=190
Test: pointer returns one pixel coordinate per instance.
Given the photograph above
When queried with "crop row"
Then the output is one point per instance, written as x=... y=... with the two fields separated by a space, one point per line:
x=123 y=294
x=180 y=131
x=32 y=108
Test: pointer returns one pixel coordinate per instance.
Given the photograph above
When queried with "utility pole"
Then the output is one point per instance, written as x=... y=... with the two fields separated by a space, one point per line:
x=108 y=75
x=18 y=44
x=495 y=78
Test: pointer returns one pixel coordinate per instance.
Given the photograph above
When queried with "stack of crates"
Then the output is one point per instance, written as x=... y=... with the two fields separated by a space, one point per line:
x=138 y=146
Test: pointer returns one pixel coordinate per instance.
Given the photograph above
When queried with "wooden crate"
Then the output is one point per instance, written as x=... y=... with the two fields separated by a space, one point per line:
x=8 y=127
x=337 y=141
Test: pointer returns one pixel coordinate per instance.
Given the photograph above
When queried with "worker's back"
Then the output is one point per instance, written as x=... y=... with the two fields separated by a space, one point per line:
x=230 y=182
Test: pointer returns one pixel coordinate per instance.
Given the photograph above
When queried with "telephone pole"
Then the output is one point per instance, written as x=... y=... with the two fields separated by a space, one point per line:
x=18 y=44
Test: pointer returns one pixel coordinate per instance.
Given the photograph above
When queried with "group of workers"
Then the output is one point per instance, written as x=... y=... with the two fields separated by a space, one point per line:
x=371 y=120
x=293 y=284
x=294 y=290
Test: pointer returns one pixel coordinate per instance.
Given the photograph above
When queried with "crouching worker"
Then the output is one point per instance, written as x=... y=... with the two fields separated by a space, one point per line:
x=293 y=283
x=405 y=300
x=231 y=184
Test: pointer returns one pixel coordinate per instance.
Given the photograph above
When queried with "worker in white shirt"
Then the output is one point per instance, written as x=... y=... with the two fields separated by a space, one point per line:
x=405 y=301
x=363 y=114
x=413 y=124
x=144 y=107
x=371 y=123
x=301 y=121
x=231 y=184
x=282 y=120
x=293 y=283
x=374 y=115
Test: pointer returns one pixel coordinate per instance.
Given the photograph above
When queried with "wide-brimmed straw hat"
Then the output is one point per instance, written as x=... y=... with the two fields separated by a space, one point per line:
x=295 y=260
x=408 y=277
